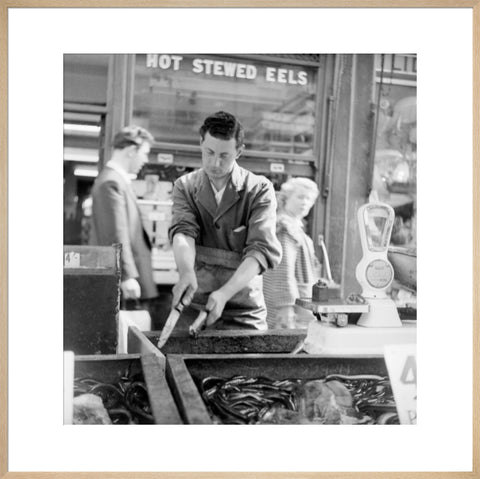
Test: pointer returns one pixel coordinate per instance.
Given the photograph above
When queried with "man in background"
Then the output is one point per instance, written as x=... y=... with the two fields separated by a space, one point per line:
x=115 y=214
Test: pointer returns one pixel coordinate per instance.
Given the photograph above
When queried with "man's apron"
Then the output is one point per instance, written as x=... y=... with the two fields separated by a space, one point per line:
x=246 y=309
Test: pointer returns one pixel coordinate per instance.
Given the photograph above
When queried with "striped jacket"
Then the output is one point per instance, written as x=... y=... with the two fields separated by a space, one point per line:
x=296 y=274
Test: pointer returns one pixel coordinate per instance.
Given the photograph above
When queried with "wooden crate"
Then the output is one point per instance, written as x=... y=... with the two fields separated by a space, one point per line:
x=109 y=368
x=91 y=298
x=185 y=372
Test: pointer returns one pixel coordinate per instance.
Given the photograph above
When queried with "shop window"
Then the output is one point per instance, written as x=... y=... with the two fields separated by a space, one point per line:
x=395 y=168
x=274 y=101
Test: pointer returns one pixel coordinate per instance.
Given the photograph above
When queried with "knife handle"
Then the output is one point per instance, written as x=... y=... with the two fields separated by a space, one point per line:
x=198 y=324
x=179 y=307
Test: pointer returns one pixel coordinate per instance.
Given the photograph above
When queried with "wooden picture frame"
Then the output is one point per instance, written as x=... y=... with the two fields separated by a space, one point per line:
x=473 y=5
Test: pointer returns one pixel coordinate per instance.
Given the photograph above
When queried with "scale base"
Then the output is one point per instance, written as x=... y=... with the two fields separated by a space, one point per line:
x=382 y=313
x=326 y=338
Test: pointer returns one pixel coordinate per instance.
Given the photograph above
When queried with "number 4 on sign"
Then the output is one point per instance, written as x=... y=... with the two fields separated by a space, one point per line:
x=409 y=373
x=401 y=360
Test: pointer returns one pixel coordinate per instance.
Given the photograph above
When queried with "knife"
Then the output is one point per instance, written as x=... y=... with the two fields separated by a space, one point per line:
x=170 y=324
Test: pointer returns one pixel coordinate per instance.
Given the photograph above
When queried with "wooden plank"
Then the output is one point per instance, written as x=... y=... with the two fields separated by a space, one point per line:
x=189 y=402
x=235 y=342
x=162 y=402
x=276 y=366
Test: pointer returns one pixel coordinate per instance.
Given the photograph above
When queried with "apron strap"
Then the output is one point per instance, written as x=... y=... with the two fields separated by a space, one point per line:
x=218 y=257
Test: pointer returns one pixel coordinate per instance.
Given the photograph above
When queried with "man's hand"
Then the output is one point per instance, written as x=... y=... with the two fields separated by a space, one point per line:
x=130 y=288
x=247 y=270
x=215 y=305
x=185 y=289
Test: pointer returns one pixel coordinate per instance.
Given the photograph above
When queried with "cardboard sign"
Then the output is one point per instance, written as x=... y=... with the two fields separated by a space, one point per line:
x=72 y=260
x=401 y=360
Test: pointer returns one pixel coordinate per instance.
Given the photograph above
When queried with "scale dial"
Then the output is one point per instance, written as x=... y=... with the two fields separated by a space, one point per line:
x=379 y=274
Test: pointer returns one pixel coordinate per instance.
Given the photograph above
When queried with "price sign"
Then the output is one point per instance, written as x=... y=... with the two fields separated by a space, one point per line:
x=401 y=362
x=164 y=158
x=277 y=167
x=72 y=260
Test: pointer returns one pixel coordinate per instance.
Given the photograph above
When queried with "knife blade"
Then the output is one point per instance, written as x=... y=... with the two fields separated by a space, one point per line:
x=170 y=324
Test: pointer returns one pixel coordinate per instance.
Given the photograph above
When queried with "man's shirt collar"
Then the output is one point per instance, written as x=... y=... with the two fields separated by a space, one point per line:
x=115 y=166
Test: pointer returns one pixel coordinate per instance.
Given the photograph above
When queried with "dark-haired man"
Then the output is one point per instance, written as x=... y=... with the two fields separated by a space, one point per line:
x=116 y=216
x=223 y=232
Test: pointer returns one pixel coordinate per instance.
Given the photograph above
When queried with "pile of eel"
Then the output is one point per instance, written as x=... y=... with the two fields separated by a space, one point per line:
x=334 y=399
x=124 y=401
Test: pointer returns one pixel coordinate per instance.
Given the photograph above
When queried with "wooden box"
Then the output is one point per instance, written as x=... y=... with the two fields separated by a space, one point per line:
x=109 y=368
x=91 y=298
x=185 y=372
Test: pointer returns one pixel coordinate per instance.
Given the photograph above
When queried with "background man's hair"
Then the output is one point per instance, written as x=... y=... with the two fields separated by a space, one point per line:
x=132 y=135
x=224 y=126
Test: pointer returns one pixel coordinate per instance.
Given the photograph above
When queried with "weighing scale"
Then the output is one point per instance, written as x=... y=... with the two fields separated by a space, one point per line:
x=379 y=323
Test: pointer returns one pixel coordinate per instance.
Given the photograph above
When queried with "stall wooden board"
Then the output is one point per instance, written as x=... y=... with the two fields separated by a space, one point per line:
x=227 y=342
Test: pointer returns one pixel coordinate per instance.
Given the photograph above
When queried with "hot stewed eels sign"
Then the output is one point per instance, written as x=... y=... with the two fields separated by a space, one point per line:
x=228 y=69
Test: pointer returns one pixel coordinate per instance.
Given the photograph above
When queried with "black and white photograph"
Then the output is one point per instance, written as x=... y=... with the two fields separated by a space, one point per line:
x=218 y=206
x=217 y=218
